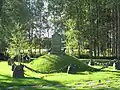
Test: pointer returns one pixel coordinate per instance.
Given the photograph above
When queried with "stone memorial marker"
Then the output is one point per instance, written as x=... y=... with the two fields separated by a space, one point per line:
x=117 y=65
x=56 y=43
x=72 y=69
x=18 y=71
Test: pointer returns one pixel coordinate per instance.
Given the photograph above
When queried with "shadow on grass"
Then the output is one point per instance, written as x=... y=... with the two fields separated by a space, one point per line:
x=29 y=83
x=118 y=71
x=113 y=88
x=6 y=76
x=82 y=73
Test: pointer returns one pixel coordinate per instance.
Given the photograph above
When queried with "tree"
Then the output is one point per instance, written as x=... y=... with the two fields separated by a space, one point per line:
x=12 y=11
x=18 y=41
x=72 y=36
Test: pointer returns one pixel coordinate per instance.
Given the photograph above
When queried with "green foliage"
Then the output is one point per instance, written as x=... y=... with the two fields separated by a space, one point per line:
x=72 y=36
x=11 y=12
x=70 y=24
x=18 y=41
x=4 y=37
x=46 y=43
x=94 y=21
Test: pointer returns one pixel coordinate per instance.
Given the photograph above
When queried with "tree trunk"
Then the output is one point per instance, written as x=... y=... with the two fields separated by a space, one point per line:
x=118 y=41
x=90 y=30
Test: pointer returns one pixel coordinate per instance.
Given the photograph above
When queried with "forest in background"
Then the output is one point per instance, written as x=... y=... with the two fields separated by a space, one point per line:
x=90 y=28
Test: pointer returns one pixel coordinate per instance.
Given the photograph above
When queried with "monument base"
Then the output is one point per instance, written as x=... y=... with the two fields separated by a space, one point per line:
x=57 y=53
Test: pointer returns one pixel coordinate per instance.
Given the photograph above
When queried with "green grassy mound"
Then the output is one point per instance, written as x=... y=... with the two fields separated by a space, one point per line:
x=58 y=63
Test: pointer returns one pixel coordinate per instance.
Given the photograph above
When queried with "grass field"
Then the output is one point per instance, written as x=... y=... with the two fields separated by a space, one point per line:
x=108 y=79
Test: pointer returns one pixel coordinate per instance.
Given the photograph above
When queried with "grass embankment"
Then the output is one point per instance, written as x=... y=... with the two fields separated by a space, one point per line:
x=58 y=63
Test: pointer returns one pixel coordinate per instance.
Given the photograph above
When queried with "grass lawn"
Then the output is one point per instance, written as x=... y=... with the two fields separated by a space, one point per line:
x=108 y=79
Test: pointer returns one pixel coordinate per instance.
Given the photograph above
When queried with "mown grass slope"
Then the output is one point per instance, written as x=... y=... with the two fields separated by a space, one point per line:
x=58 y=63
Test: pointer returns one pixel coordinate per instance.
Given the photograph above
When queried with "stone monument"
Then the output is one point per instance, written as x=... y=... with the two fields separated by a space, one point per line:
x=56 y=43
x=18 y=71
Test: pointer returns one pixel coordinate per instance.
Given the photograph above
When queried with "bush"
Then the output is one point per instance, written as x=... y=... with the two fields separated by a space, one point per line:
x=86 y=56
